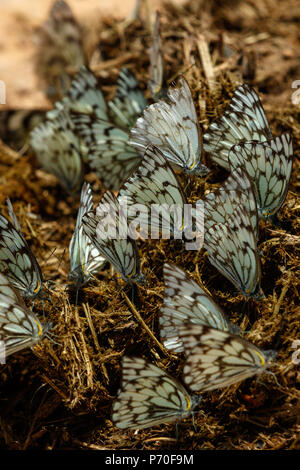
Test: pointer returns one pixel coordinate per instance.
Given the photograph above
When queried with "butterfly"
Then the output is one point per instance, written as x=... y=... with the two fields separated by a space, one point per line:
x=243 y=120
x=232 y=249
x=109 y=154
x=172 y=126
x=220 y=204
x=84 y=95
x=155 y=191
x=105 y=129
x=19 y=327
x=129 y=101
x=217 y=359
x=109 y=233
x=58 y=150
x=64 y=33
x=85 y=259
x=269 y=165
x=156 y=82
x=60 y=47
x=17 y=261
x=149 y=396
x=186 y=301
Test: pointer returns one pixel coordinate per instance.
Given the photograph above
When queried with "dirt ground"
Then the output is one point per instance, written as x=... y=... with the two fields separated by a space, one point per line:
x=59 y=395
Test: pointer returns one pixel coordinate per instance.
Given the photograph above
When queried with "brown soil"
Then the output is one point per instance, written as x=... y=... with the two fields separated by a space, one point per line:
x=59 y=396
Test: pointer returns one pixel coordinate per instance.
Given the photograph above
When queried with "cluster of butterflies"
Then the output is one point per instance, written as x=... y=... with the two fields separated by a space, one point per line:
x=134 y=148
x=216 y=356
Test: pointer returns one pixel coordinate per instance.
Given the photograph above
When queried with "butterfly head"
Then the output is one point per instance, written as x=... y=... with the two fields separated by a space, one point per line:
x=235 y=329
x=195 y=400
x=35 y=292
x=254 y=291
x=258 y=294
x=78 y=277
x=201 y=170
x=269 y=355
x=197 y=169
x=46 y=328
x=139 y=278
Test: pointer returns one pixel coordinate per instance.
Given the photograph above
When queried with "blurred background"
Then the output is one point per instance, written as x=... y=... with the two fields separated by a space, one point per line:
x=19 y=23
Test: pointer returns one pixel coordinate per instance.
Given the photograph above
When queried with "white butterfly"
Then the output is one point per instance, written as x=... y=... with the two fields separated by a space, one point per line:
x=109 y=154
x=220 y=204
x=173 y=127
x=232 y=249
x=217 y=359
x=58 y=150
x=129 y=101
x=156 y=82
x=17 y=261
x=243 y=120
x=60 y=47
x=149 y=396
x=155 y=191
x=269 y=165
x=105 y=129
x=109 y=233
x=185 y=301
x=19 y=327
x=84 y=95
x=85 y=259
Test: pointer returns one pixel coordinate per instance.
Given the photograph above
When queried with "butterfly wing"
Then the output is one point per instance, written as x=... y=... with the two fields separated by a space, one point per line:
x=186 y=301
x=148 y=397
x=217 y=359
x=84 y=257
x=154 y=189
x=17 y=261
x=269 y=165
x=12 y=215
x=58 y=150
x=60 y=48
x=156 y=70
x=19 y=327
x=243 y=120
x=173 y=127
x=232 y=250
x=219 y=205
x=129 y=101
x=108 y=232
x=84 y=95
x=109 y=153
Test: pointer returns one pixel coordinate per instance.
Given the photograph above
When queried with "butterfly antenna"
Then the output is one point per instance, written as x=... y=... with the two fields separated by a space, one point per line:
x=47 y=259
x=52 y=340
x=198 y=412
x=37 y=390
x=275 y=378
